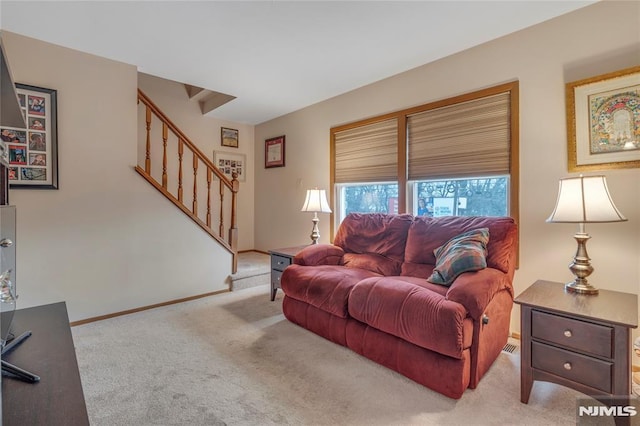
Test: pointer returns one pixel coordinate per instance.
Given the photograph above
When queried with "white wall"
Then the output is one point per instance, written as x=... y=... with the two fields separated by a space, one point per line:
x=106 y=241
x=598 y=39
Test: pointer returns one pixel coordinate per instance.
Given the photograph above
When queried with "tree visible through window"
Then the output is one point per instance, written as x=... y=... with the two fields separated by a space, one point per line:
x=463 y=197
x=370 y=198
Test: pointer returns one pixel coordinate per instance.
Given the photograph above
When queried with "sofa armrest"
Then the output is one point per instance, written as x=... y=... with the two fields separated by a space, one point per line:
x=319 y=254
x=475 y=290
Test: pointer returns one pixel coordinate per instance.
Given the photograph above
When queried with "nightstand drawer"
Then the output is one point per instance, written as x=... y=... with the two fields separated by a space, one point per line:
x=570 y=333
x=575 y=367
x=275 y=279
x=279 y=262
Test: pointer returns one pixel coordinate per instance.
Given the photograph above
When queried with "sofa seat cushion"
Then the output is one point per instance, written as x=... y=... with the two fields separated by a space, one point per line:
x=326 y=287
x=414 y=310
x=420 y=270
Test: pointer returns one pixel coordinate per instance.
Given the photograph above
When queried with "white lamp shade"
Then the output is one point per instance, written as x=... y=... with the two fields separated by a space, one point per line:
x=585 y=199
x=316 y=201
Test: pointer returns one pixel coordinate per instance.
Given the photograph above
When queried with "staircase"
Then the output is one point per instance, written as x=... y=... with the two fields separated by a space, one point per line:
x=187 y=177
x=254 y=269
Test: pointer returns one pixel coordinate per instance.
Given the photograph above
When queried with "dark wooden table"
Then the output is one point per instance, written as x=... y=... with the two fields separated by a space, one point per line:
x=577 y=340
x=57 y=399
x=280 y=259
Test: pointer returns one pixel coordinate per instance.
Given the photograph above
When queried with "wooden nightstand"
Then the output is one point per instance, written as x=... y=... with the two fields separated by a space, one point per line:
x=579 y=341
x=280 y=259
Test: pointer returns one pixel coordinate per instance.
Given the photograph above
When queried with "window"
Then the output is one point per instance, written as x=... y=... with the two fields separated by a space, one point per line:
x=457 y=156
x=366 y=198
x=488 y=196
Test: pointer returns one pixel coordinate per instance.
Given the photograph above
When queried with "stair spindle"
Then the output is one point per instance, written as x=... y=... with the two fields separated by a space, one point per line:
x=180 y=152
x=221 y=210
x=209 y=176
x=195 y=186
x=147 y=160
x=164 y=155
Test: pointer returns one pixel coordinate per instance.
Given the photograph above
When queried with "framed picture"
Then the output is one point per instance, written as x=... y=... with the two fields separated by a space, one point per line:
x=229 y=163
x=229 y=137
x=33 y=151
x=274 y=152
x=603 y=121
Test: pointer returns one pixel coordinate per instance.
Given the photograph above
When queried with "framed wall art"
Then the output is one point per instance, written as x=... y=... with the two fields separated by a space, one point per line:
x=229 y=163
x=603 y=121
x=229 y=137
x=33 y=151
x=274 y=152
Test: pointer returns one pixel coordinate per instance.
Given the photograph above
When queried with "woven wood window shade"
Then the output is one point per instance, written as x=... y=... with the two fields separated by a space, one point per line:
x=367 y=153
x=467 y=139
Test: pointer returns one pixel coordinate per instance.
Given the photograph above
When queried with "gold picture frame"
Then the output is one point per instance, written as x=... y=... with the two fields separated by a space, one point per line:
x=603 y=121
x=229 y=137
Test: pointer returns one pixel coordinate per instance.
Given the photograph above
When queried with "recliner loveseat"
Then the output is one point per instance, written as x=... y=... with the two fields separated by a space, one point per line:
x=370 y=291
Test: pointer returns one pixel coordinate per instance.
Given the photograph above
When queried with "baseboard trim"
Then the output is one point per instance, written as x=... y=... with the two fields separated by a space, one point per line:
x=145 y=308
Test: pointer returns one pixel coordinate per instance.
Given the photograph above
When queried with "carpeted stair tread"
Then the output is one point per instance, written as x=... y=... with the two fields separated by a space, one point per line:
x=254 y=269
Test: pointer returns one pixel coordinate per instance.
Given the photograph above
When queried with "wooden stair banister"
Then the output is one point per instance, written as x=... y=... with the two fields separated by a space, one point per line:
x=183 y=146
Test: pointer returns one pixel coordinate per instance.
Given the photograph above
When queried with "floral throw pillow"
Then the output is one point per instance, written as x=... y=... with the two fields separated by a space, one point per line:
x=463 y=253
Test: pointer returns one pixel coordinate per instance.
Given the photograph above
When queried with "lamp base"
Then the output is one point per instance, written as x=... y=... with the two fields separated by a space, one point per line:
x=315 y=232
x=581 y=268
x=580 y=286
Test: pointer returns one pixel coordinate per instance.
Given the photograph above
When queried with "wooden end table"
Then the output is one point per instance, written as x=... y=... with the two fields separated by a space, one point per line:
x=576 y=340
x=280 y=259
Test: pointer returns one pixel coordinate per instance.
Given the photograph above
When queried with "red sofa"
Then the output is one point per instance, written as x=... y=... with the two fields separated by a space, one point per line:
x=369 y=291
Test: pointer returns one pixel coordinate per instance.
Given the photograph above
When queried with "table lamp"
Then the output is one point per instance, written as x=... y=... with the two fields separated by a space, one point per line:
x=316 y=202
x=581 y=200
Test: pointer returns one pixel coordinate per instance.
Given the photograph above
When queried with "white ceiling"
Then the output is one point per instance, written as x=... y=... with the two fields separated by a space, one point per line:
x=274 y=56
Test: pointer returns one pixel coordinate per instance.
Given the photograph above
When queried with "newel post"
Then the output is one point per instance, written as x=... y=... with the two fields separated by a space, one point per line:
x=233 y=230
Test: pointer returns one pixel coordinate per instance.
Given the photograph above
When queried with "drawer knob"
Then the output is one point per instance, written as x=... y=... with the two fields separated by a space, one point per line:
x=568 y=333
x=280 y=262
x=567 y=366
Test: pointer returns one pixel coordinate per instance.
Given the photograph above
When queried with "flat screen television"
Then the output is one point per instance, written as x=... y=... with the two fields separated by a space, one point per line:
x=8 y=294
x=8 y=306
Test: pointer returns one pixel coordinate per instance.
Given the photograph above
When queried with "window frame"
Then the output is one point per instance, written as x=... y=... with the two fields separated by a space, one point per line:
x=402 y=163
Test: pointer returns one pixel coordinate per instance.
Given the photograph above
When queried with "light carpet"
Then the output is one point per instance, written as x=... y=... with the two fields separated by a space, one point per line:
x=233 y=359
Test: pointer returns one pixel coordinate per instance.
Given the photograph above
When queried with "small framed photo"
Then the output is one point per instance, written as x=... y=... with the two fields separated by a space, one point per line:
x=274 y=152
x=229 y=164
x=603 y=121
x=229 y=137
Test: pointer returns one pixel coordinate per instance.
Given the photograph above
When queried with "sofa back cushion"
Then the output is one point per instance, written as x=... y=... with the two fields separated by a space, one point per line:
x=374 y=241
x=428 y=233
